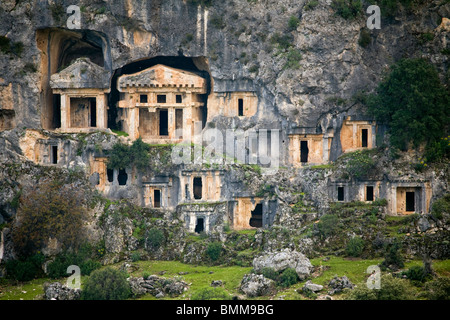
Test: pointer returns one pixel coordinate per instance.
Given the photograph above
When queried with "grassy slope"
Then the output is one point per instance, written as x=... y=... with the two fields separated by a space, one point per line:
x=199 y=277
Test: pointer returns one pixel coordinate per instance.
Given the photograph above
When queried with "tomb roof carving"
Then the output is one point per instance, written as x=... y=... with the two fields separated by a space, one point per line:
x=162 y=76
x=82 y=73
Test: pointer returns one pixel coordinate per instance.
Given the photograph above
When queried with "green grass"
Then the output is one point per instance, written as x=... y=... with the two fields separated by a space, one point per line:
x=120 y=133
x=198 y=276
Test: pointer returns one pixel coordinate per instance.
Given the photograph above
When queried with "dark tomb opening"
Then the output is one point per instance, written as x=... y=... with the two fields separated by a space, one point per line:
x=369 y=193
x=304 y=151
x=256 y=218
x=200 y=226
x=197 y=188
x=163 y=122
x=93 y=104
x=54 y=154
x=56 y=121
x=410 y=202
x=122 y=177
x=157 y=198
x=110 y=174
x=143 y=98
x=161 y=98
x=364 y=137
x=340 y=193
x=240 y=107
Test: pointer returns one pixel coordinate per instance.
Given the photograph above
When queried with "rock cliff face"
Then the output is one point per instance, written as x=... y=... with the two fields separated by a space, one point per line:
x=305 y=63
x=232 y=40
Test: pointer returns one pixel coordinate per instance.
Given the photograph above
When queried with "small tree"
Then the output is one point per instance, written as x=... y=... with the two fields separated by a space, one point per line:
x=214 y=250
x=106 y=284
x=413 y=102
x=50 y=209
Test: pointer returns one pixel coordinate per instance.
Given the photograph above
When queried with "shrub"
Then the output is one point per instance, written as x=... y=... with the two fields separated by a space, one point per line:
x=347 y=9
x=58 y=267
x=269 y=273
x=440 y=206
x=328 y=225
x=416 y=273
x=25 y=270
x=293 y=23
x=155 y=238
x=88 y=266
x=122 y=156
x=106 y=284
x=360 y=163
x=391 y=289
x=214 y=250
x=211 y=294
x=438 y=289
x=293 y=57
x=50 y=209
x=311 y=5
x=413 y=102
x=355 y=247
x=364 y=38
x=288 y=277
x=392 y=256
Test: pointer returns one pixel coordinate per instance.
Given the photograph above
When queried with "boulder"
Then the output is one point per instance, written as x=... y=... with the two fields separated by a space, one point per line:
x=338 y=284
x=255 y=285
x=282 y=260
x=312 y=286
x=216 y=283
x=157 y=286
x=57 y=291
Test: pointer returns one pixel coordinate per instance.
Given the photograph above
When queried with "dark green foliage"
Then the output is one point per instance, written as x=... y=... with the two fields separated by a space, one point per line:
x=123 y=156
x=269 y=273
x=83 y=259
x=413 y=102
x=211 y=294
x=391 y=289
x=155 y=238
x=441 y=206
x=359 y=163
x=288 y=277
x=106 y=284
x=347 y=9
x=392 y=257
x=438 y=289
x=282 y=41
x=364 y=38
x=119 y=156
x=217 y=21
x=438 y=150
x=293 y=23
x=311 y=5
x=214 y=250
x=355 y=247
x=416 y=273
x=25 y=269
x=293 y=57
x=5 y=44
x=49 y=209
x=327 y=225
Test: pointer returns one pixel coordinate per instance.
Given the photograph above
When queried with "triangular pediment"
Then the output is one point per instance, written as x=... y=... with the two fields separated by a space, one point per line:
x=82 y=73
x=161 y=76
